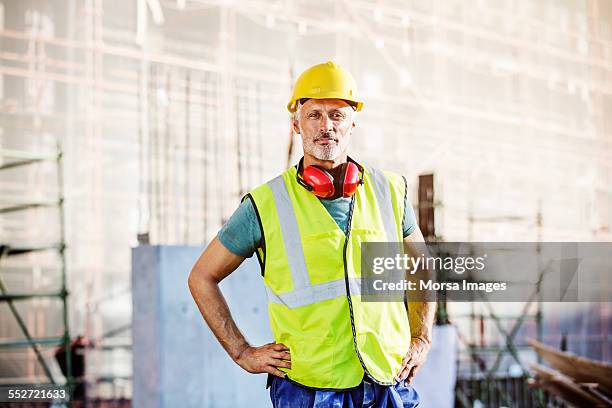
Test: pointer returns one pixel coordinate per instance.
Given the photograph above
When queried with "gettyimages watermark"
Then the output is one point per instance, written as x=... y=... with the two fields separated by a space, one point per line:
x=492 y=271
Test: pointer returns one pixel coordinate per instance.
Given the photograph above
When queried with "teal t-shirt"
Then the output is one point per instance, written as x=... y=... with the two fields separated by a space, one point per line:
x=242 y=234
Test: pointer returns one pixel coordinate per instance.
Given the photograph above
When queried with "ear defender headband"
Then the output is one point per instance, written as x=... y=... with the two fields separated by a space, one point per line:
x=322 y=184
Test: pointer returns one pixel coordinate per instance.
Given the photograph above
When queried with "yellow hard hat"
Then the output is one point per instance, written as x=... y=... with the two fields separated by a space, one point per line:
x=325 y=81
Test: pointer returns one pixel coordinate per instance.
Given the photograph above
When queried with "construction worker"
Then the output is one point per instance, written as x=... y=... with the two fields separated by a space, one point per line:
x=306 y=227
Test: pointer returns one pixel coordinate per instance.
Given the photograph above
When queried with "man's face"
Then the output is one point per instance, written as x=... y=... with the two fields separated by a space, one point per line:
x=325 y=126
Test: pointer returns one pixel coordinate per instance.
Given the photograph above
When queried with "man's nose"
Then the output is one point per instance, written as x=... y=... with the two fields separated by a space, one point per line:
x=327 y=124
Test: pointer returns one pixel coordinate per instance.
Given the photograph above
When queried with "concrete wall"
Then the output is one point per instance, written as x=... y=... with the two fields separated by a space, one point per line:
x=435 y=381
x=177 y=361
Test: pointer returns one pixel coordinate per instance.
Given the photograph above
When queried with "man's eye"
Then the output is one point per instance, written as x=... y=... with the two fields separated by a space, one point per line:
x=337 y=115
x=313 y=115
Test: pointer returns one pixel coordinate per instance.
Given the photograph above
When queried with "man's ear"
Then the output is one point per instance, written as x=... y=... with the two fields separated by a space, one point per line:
x=296 y=126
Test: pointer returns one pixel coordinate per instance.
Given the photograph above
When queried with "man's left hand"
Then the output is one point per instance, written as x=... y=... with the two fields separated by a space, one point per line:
x=413 y=361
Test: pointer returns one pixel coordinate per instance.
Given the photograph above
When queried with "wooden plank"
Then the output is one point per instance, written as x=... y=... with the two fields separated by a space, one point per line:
x=564 y=387
x=582 y=370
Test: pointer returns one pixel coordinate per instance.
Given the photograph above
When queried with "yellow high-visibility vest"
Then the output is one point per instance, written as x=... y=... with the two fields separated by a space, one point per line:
x=312 y=271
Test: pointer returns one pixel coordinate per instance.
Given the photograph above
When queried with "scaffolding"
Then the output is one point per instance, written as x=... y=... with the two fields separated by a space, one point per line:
x=11 y=160
x=483 y=383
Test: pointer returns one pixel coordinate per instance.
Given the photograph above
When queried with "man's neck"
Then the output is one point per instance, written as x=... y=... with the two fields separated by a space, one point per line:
x=310 y=160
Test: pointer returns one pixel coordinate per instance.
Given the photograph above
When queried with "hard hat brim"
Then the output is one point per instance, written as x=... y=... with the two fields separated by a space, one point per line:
x=292 y=105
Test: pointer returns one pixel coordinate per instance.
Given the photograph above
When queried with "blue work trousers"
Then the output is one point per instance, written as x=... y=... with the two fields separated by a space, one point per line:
x=287 y=394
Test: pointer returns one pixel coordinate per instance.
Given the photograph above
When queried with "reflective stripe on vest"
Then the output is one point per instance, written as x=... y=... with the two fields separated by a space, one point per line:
x=291 y=234
x=314 y=293
x=383 y=195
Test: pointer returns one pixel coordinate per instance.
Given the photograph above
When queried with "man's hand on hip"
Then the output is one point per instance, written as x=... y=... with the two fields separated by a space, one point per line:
x=265 y=359
x=414 y=360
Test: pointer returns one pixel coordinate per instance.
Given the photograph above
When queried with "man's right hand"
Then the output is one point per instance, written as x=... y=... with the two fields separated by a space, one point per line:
x=265 y=359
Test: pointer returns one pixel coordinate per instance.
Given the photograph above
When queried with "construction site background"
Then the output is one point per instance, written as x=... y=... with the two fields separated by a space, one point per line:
x=145 y=121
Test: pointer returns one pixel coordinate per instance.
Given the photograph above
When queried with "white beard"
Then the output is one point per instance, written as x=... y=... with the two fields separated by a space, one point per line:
x=326 y=152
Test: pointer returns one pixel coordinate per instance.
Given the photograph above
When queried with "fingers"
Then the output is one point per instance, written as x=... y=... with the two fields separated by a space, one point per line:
x=412 y=374
x=407 y=360
x=281 y=355
x=280 y=363
x=275 y=371
x=403 y=373
x=407 y=363
x=275 y=356
x=279 y=347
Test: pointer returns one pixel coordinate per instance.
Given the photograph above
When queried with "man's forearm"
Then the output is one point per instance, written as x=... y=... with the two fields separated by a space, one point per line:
x=421 y=317
x=421 y=306
x=216 y=312
x=420 y=302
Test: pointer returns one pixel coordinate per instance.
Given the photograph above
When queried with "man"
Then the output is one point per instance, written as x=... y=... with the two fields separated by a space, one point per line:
x=306 y=227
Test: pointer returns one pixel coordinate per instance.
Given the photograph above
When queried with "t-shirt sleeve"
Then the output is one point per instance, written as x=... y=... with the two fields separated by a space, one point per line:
x=241 y=234
x=409 y=222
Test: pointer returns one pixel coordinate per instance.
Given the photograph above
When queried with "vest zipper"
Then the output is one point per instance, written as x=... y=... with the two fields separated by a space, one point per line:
x=348 y=293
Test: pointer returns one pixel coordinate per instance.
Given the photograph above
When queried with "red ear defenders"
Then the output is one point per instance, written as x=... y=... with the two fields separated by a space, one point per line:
x=322 y=184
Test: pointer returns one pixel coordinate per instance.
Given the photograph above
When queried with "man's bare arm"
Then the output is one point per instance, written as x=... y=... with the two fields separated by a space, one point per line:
x=214 y=265
x=421 y=313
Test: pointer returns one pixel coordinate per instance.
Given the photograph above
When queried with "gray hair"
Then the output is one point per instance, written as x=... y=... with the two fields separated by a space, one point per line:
x=298 y=106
